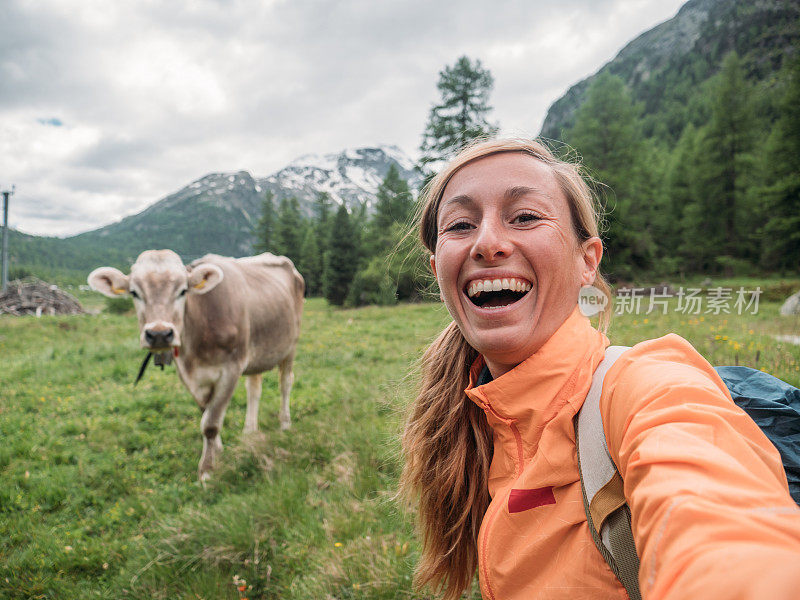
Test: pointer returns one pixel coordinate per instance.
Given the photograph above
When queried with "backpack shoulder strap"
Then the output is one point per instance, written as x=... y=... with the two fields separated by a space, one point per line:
x=607 y=511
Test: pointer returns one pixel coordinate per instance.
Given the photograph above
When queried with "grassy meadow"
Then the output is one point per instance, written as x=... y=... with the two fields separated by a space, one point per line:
x=98 y=486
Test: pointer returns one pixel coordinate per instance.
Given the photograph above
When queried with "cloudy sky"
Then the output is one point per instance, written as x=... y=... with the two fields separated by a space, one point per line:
x=106 y=107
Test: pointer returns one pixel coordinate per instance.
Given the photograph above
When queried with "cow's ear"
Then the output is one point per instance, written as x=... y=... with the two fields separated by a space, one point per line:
x=204 y=278
x=109 y=281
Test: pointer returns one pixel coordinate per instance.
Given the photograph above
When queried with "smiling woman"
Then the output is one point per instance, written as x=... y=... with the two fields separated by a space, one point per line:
x=490 y=444
x=504 y=219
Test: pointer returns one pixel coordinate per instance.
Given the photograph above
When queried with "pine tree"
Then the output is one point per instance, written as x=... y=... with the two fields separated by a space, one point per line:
x=389 y=270
x=722 y=223
x=393 y=207
x=663 y=213
x=311 y=262
x=314 y=244
x=341 y=259
x=607 y=133
x=680 y=203
x=264 y=229
x=358 y=224
x=393 y=202
x=289 y=229
x=322 y=207
x=781 y=241
x=461 y=116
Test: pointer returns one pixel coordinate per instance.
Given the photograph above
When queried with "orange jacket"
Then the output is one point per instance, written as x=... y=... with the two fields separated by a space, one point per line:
x=711 y=511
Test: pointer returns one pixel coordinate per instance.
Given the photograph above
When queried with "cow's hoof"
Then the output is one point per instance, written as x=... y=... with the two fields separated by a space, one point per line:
x=204 y=477
x=253 y=437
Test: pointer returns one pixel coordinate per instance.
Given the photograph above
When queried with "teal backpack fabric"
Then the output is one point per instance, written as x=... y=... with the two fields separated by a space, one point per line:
x=775 y=407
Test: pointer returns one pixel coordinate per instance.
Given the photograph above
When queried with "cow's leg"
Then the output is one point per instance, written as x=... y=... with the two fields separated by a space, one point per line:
x=287 y=379
x=253 y=385
x=211 y=421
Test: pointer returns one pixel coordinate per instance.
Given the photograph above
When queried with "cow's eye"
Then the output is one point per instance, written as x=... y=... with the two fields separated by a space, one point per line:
x=183 y=292
x=135 y=295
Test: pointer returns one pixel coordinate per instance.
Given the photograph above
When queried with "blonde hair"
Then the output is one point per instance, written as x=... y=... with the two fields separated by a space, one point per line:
x=447 y=442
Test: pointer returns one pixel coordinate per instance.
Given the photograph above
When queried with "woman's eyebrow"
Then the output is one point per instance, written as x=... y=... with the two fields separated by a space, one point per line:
x=511 y=194
x=461 y=199
x=518 y=191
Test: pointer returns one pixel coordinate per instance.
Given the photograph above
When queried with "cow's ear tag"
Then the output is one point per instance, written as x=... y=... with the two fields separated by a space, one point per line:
x=201 y=285
x=118 y=291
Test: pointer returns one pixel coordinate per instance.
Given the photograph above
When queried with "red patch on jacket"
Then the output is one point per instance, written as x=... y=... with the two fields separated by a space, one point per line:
x=521 y=500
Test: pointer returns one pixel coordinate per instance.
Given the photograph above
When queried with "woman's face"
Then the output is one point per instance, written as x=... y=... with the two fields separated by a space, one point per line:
x=507 y=260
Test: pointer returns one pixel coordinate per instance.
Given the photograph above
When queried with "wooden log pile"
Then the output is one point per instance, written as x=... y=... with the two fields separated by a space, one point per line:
x=31 y=296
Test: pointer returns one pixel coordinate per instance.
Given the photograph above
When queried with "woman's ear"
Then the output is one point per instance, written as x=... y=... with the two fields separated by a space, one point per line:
x=592 y=250
x=433 y=269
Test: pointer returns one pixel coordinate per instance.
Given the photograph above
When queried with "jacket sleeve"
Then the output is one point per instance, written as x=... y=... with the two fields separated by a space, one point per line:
x=711 y=511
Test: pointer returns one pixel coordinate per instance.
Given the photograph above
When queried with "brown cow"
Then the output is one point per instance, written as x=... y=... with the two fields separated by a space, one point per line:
x=221 y=318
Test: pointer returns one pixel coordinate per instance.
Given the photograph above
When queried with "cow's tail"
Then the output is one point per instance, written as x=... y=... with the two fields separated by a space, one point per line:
x=299 y=290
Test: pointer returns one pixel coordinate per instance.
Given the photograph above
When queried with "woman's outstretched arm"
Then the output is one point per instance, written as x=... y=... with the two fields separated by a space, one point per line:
x=711 y=510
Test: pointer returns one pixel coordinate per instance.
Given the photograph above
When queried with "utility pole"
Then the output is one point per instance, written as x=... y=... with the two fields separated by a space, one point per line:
x=6 y=195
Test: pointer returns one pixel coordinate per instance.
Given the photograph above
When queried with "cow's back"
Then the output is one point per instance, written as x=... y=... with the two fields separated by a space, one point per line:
x=259 y=302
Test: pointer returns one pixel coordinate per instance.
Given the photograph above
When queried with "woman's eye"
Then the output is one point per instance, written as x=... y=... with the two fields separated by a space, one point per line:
x=527 y=218
x=459 y=226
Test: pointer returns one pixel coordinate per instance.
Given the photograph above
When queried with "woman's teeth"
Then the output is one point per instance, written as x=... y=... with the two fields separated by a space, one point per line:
x=513 y=284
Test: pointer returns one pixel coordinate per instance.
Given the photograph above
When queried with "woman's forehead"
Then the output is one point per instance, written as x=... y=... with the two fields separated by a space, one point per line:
x=507 y=176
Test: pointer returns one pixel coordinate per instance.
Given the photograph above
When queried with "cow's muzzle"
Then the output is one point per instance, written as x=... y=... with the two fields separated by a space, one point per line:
x=159 y=339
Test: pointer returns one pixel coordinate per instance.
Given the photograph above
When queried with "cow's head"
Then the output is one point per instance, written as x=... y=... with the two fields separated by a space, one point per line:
x=159 y=283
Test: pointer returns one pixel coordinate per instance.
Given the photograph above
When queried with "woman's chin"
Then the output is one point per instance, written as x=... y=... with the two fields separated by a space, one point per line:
x=508 y=346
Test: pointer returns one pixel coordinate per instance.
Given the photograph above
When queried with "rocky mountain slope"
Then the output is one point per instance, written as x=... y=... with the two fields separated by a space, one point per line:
x=665 y=66
x=217 y=212
x=351 y=177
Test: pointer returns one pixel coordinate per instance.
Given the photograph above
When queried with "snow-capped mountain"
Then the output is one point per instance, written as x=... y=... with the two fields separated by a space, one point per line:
x=351 y=177
x=217 y=212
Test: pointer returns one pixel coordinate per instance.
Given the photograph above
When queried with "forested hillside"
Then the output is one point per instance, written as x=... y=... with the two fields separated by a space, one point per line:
x=696 y=146
x=692 y=134
x=62 y=260
x=665 y=68
x=216 y=213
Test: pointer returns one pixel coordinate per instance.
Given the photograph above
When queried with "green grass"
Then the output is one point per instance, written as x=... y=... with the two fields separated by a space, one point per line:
x=98 y=491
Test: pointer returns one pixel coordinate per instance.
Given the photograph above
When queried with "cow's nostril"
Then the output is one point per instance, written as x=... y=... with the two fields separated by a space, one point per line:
x=158 y=338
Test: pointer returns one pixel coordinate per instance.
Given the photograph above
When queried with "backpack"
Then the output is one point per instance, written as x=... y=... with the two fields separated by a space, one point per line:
x=773 y=404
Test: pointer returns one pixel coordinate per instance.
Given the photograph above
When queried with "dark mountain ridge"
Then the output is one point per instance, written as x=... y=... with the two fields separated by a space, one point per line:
x=666 y=66
x=217 y=213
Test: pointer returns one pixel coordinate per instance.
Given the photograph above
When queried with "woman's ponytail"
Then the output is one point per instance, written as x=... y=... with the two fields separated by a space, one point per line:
x=448 y=449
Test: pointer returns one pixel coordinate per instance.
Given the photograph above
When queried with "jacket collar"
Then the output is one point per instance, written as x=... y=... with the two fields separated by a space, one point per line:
x=533 y=392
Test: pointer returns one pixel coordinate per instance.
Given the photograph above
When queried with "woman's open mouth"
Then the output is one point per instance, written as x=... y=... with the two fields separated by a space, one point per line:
x=496 y=293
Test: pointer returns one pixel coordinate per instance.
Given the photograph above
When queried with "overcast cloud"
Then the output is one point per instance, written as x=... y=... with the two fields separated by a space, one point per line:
x=105 y=107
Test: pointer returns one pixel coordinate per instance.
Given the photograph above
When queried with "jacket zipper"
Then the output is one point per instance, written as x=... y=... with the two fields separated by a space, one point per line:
x=489 y=517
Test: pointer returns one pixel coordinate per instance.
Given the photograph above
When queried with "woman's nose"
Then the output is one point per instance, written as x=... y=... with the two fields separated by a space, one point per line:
x=492 y=243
